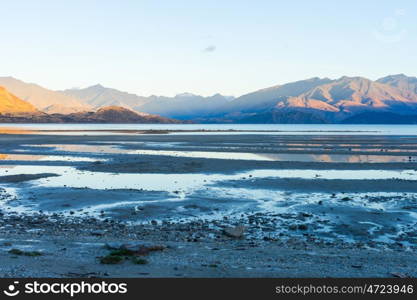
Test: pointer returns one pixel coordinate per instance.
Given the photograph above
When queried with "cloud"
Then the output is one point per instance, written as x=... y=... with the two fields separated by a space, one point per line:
x=210 y=48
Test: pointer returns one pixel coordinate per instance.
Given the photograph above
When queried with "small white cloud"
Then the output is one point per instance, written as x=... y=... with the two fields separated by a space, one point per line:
x=400 y=12
x=210 y=48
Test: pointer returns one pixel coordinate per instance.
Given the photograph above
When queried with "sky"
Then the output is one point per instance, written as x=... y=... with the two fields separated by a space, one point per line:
x=203 y=47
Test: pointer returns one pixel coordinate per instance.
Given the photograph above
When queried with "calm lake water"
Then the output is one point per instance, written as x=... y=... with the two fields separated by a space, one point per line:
x=281 y=128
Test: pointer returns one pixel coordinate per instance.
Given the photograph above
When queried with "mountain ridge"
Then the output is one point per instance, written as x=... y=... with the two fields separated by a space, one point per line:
x=320 y=100
x=43 y=99
x=330 y=101
x=182 y=106
x=16 y=110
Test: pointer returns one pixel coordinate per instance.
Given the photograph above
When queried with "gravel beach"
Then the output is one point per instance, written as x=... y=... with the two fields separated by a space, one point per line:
x=207 y=205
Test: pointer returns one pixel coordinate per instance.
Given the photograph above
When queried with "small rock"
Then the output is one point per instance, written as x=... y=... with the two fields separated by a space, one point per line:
x=139 y=248
x=302 y=227
x=97 y=232
x=399 y=275
x=235 y=232
x=114 y=245
x=293 y=227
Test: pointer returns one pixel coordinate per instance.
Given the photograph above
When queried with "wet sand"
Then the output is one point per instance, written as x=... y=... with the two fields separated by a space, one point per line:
x=339 y=204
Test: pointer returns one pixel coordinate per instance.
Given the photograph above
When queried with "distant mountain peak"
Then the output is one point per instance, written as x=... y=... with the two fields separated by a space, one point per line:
x=400 y=75
x=315 y=79
x=353 y=78
x=97 y=86
x=185 y=94
x=397 y=77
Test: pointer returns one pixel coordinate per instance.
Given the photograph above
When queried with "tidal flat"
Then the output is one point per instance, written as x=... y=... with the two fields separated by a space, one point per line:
x=218 y=204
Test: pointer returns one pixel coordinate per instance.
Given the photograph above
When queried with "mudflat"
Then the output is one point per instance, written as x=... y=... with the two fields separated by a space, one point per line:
x=211 y=204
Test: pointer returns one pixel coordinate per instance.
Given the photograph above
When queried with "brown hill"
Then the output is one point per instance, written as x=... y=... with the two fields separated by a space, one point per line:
x=10 y=104
x=324 y=100
x=114 y=114
x=351 y=95
x=407 y=85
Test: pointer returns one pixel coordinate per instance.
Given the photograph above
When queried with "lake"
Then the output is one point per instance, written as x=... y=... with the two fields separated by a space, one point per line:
x=344 y=129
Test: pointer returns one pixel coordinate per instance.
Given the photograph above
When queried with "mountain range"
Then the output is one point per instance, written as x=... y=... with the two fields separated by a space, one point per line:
x=14 y=109
x=183 y=106
x=391 y=99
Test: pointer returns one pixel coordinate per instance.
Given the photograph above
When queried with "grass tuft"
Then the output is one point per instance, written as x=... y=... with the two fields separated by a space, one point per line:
x=139 y=261
x=111 y=259
x=24 y=253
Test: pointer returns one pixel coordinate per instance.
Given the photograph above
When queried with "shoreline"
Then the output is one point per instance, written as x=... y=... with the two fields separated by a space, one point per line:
x=92 y=193
x=190 y=250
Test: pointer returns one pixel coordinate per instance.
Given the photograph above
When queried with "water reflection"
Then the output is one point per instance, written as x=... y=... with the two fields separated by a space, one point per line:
x=31 y=157
x=352 y=158
x=294 y=157
x=71 y=177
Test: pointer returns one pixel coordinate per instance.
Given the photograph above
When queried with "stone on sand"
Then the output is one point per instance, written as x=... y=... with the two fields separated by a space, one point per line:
x=235 y=232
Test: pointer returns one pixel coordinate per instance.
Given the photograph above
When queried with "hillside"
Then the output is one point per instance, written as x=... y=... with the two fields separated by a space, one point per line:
x=98 y=96
x=381 y=118
x=267 y=98
x=43 y=99
x=12 y=105
x=407 y=85
x=323 y=100
x=350 y=95
x=114 y=114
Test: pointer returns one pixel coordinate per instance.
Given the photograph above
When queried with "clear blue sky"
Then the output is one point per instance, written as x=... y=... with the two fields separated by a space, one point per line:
x=203 y=47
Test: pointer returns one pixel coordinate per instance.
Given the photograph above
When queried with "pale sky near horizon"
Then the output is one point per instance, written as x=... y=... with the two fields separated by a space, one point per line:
x=203 y=47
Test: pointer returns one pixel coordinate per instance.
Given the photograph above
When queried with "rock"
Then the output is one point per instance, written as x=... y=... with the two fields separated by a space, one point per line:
x=113 y=245
x=235 y=232
x=137 y=248
x=97 y=232
x=293 y=227
x=302 y=227
x=399 y=275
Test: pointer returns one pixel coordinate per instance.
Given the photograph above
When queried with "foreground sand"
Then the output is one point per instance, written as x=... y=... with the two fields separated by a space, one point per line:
x=332 y=234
